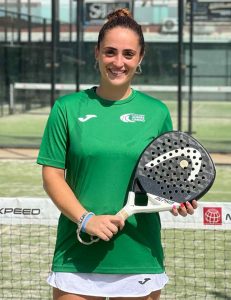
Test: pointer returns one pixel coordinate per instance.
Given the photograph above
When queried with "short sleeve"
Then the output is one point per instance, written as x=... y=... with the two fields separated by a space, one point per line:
x=54 y=142
x=167 y=123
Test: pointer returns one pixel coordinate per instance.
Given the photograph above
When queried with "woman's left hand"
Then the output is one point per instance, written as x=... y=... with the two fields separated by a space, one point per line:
x=185 y=209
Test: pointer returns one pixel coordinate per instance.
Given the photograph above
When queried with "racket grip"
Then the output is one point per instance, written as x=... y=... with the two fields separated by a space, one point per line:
x=126 y=211
x=123 y=214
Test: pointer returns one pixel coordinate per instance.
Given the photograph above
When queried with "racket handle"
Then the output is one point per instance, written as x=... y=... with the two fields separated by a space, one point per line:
x=123 y=214
x=126 y=211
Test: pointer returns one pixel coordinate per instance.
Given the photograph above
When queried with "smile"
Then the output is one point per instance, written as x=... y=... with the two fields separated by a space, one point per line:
x=117 y=72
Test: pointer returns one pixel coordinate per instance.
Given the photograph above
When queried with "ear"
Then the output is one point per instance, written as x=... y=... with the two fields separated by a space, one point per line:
x=96 y=53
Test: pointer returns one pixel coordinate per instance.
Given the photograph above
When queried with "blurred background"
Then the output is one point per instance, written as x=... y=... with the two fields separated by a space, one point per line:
x=46 y=51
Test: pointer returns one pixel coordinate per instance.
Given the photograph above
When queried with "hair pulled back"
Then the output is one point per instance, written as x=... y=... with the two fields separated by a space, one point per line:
x=121 y=18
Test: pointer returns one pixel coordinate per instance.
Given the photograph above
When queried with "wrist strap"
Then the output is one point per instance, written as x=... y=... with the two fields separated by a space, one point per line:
x=81 y=227
x=85 y=220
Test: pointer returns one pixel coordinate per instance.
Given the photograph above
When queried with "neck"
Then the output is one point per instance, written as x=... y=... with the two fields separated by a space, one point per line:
x=113 y=93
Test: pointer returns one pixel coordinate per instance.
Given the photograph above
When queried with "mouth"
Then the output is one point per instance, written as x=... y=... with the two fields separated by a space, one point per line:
x=116 y=73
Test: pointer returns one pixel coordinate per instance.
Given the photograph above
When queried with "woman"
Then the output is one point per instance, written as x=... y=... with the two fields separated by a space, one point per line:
x=90 y=147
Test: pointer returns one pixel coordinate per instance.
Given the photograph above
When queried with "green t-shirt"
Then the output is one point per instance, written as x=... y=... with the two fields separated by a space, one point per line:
x=98 y=142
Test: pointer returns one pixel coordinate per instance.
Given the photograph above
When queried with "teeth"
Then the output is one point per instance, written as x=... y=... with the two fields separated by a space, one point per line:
x=116 y=72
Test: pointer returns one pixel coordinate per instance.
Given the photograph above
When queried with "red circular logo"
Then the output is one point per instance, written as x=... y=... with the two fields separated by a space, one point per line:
x=212 y=216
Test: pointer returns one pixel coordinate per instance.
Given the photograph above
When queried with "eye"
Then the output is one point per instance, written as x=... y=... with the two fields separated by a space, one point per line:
x=128 y=54
x=109 y=52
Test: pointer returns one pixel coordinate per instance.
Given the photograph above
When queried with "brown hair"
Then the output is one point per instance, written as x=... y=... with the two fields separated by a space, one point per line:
x=121 y=18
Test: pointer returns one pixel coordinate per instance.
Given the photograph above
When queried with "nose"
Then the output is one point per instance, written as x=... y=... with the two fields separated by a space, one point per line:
x=118 y=61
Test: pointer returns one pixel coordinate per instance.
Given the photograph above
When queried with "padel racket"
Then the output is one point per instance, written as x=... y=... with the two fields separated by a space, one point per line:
x=173 y=168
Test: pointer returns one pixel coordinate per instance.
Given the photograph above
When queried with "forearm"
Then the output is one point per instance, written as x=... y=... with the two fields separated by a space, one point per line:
x=61 y=194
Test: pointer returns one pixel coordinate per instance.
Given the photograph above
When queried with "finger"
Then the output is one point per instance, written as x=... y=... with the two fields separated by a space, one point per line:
x=174 y=210
x=113 y=228
x=194 y=204
x=189 y=207
x=118 y=221
x=182 y=210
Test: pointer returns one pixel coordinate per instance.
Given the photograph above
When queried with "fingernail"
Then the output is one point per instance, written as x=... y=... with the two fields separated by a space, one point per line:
x=174 y=206
x=182 y=205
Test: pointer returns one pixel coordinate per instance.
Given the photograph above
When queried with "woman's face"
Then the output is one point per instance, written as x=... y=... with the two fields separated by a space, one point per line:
x=118 y=56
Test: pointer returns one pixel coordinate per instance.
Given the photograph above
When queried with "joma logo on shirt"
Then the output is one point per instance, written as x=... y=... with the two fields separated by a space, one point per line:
x=131 y=118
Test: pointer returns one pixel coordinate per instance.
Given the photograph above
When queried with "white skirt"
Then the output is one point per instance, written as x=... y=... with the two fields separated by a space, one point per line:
x=107 y=285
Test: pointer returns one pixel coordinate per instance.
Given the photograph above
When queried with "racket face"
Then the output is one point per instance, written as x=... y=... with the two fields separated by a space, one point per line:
x=176 y=167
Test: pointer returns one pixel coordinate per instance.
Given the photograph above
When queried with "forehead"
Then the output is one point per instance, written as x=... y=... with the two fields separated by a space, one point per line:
x=121 y=37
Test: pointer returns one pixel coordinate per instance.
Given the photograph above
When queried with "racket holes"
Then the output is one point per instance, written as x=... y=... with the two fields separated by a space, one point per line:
x=203 y=177
x=170 y=198
x=164 y=193
x=182 y=148
x=176 y=191
x=174 y=185
x=164 y=164
x=204 y=165
x=194 y=151
x=175 y=143
x=170 y=154
x=199 y=182
x=169 y=140
x=150 y=170
x=176 y=151
x=181 y=141
x=153 y=153
x=187 y=145
x=158 y=148
x=182 y=191
x=148 y=175
x=164 y=157
x=161 y=187
x=170 y=192
x=163 y=144
x=145 y=168
x=169 y=168
x=200 y=158
x=188 y=192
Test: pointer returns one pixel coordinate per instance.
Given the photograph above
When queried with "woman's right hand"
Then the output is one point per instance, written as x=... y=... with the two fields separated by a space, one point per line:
x=104 y=226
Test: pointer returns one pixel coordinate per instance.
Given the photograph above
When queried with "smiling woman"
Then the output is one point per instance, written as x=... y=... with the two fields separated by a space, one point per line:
x=118 y=59
x=92 y=142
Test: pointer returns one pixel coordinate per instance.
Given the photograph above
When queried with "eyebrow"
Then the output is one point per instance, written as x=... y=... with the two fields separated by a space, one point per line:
x=112 y=48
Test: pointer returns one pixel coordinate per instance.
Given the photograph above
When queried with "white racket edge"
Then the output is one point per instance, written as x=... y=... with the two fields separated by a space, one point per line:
x=154 y=204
